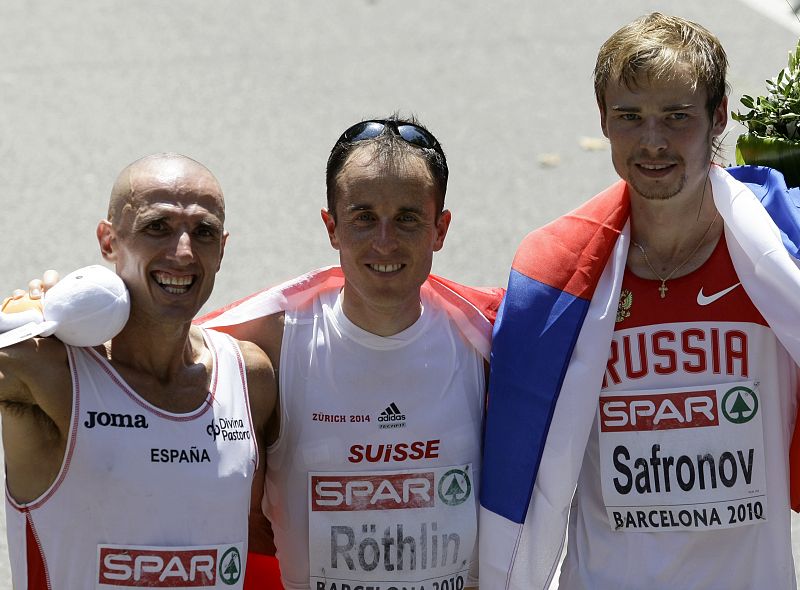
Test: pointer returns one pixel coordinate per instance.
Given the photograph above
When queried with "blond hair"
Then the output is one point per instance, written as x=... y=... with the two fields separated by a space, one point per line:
x=656 y=45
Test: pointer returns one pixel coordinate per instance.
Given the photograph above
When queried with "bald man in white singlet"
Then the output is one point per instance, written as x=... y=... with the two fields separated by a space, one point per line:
x=133 y=463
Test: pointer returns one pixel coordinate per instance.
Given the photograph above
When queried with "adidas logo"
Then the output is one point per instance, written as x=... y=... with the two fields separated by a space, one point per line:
x=392 y=417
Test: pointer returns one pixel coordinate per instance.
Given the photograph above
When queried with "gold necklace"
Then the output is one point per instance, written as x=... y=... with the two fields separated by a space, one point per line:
x=663 y=288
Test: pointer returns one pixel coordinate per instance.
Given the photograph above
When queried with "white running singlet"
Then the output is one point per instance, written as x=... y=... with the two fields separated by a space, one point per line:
x=684 y=483
x=144 y=497
x=373 y=479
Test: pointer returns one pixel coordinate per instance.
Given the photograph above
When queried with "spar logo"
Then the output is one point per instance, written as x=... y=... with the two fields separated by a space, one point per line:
x=230 y=566
x=454 y=487
x=663 y=411
x=739 y=405
x=150 y=567
x=389 y=491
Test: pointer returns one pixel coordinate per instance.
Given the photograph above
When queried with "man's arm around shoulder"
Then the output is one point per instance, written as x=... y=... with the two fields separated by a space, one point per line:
x=36 y=406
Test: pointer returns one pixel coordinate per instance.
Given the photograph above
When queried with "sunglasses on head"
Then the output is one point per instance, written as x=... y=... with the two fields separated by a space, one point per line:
x=409 y=132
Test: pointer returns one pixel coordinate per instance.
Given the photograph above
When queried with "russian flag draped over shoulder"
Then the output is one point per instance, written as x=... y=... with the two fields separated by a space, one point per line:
x=551 y=344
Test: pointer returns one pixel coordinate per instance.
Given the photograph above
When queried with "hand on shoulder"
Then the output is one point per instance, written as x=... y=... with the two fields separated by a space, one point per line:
x=22 y=307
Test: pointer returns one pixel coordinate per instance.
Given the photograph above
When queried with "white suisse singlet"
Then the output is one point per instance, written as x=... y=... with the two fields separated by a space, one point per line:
x=144 y=497
x=684 y=484
x=373 y=481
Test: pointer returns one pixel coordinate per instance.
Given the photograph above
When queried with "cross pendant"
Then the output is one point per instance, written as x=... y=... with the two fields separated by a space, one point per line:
x=663 y=289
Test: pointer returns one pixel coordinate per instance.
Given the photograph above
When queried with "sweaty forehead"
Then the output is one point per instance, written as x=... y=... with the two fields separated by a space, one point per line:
x=164 y=204
x=680 y=81
x=175 y=186
x=367 y=174
x=155 y=206
x=166 y=170
x=176 y=176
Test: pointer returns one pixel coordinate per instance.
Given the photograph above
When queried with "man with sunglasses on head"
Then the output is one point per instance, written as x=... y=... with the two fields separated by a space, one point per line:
x=374 y=453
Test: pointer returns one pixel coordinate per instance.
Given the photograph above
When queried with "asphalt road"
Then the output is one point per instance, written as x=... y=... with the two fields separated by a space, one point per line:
x=259 y=90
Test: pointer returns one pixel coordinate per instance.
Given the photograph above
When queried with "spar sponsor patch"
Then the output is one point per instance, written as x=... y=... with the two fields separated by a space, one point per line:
x=683 y=459
x=123 y=566
x=387 y=491
x=378 y=529
x=663 y=411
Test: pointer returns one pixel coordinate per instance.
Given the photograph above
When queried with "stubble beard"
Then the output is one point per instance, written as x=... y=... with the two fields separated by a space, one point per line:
x=655 y=192
x=652 y=191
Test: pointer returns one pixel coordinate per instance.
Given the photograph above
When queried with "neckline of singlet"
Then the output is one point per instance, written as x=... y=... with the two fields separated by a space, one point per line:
x=335 y=313
x=120 y=382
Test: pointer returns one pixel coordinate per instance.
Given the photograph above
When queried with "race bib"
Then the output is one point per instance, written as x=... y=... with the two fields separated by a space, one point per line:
x=216 y=566
x=686 y=459
x=392 y=529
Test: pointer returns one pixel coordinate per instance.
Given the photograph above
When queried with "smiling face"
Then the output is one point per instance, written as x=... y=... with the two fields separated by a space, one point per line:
x=166 y=238
x=386 y=229
x=661 y=135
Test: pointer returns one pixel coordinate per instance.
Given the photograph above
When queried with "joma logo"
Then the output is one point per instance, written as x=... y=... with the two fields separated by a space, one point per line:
x=115 y=420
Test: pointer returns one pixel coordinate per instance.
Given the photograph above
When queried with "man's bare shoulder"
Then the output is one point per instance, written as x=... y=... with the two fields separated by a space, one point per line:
x=32 y=369
x=255 y=359
x=261 y=382
x=36 y=348
x=265 y=332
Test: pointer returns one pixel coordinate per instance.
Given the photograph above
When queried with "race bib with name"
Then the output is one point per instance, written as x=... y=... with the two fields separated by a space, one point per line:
x=215 y=566
x=392 y=529
x=685 y=459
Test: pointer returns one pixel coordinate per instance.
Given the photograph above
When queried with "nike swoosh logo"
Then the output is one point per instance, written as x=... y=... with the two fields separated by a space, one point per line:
x=709 y=299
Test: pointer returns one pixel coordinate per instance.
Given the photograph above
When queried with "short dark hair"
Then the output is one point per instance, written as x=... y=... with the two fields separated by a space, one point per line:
x=389 y=147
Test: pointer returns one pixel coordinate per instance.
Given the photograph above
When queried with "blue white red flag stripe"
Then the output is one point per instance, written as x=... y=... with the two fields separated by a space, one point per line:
x=551 y=284
x=551 y=344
